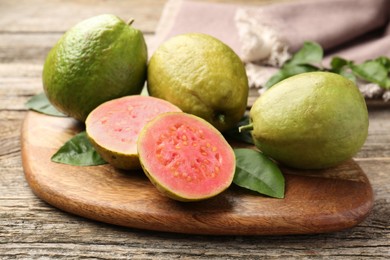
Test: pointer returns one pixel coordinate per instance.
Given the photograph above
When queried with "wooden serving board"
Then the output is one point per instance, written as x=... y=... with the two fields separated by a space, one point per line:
x=315 y=202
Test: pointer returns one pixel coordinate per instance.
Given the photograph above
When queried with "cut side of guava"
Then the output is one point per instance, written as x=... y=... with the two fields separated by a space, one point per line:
x=113 y=127
x=185 y=157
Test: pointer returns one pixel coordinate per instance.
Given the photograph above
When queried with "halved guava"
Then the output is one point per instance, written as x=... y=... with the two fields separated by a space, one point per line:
x=113 y=127
x=185 y=157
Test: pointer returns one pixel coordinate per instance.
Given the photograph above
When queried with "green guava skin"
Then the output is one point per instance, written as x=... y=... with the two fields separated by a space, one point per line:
x=97 y=60
x=202 y=76
x=313 y=120
x=118 y=160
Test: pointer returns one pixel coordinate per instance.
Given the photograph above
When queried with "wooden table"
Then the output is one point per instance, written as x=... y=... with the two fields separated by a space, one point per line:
x=31 y=229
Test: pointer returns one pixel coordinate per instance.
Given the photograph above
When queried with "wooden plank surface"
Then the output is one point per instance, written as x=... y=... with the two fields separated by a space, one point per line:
x=31 y=229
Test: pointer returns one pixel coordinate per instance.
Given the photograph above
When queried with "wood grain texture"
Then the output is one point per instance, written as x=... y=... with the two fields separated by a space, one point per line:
x=58 y=16
x=315 y=202
x=32 y=229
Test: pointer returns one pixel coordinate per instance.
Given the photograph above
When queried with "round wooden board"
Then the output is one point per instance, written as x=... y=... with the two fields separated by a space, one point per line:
x=315 y=201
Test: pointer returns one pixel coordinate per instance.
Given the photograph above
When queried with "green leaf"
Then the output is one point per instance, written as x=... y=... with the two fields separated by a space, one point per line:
x=310 y=53
x=288 y=71
x=41 y=104
x=277 y=77
x=297 y=69
x=348 y=74
x=302 y=61
x=78 y=151
x=372 y=71
x=337 y=64
x=385 y=61
x=234 y=134
x=342 y=66
x=257 y=172
x=375 y=71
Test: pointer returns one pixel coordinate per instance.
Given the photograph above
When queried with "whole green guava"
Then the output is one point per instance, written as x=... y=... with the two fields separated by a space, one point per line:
x=97 y=60
x=310 y=121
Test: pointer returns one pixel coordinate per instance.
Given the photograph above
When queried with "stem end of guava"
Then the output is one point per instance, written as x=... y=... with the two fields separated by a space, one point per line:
x=245 y=128
x=221 y=118
x=130 y=21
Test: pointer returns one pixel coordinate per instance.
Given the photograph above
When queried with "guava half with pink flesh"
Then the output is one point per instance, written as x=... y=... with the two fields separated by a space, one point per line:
x=113 y=127
x=185 y=157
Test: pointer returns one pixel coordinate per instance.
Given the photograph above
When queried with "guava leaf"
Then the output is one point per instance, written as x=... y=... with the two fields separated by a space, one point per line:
x=41 y=104
x=78 y=151
x=256 y=172
x=338 y=63
x=373 y=71
x=310 y=53
x=288 y=71
x=348 y=74
x=384 y=61
x=275 y=78
x=302 y=61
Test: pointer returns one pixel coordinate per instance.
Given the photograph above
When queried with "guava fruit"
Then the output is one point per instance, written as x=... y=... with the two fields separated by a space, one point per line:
x=185 y=157
x=113 y=127
x=310 y=121
x=99 y=59
x=202 y=76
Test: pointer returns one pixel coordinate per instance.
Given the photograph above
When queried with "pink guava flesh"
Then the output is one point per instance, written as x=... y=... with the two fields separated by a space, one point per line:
x=186 y=156
x=116 y=124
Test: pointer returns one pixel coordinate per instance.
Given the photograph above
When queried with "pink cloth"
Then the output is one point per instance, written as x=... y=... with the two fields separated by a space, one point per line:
x=355 y=29
x=190 y=16
x=266 y=35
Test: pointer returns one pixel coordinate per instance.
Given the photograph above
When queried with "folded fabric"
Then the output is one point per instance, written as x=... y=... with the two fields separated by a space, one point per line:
x=265 y=36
